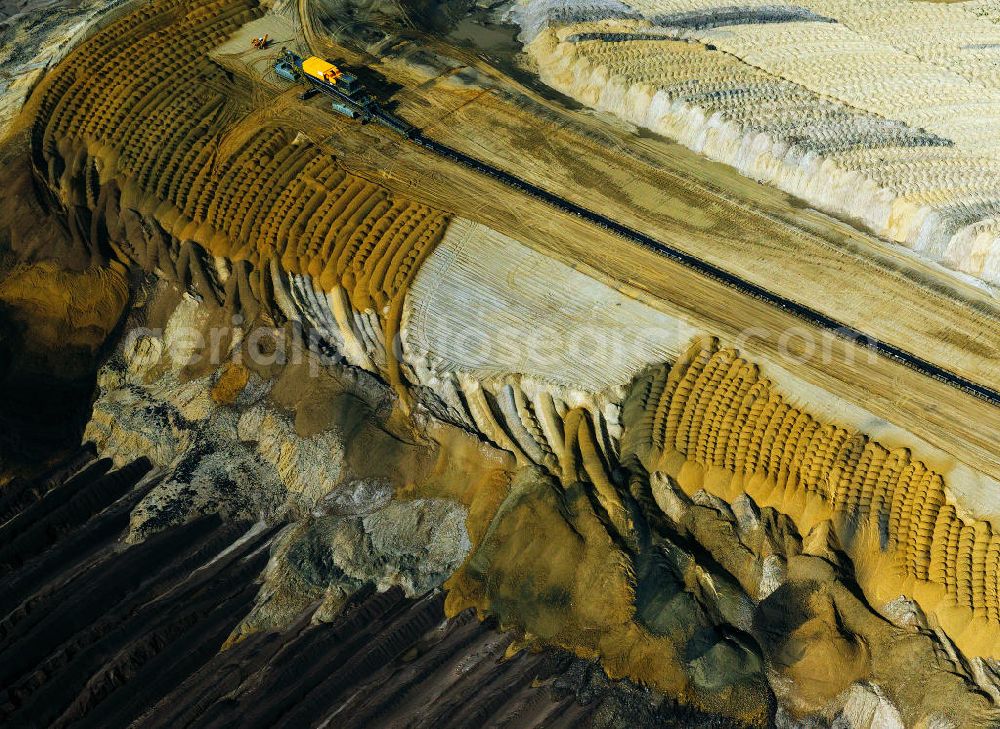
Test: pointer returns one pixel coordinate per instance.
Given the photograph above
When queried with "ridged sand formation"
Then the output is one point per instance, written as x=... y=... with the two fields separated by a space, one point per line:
x=158 y=187
x=570 y=537
x=167 y=173
x=713 y=422
x=834 y=102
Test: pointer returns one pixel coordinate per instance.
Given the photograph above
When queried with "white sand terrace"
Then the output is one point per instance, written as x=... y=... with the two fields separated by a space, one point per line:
x=886 y=111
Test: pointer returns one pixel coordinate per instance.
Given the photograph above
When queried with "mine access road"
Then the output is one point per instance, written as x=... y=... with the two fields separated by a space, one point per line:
x=711 y=271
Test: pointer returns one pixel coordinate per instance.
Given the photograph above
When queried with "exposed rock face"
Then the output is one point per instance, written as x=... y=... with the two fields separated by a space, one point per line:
x=307 y=445
x=413 y=545
x=713 y=421
x=379 y=388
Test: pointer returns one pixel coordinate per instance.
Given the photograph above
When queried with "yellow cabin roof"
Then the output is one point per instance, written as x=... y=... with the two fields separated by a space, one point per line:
x=317 y=67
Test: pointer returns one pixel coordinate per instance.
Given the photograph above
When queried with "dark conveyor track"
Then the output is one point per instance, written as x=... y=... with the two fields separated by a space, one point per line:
x=711 y=271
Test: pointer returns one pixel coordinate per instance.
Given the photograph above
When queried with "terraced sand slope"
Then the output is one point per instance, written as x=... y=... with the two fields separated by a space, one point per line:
x=153 y=150
x=482 y=331
x=714 y=422
x=886 y=111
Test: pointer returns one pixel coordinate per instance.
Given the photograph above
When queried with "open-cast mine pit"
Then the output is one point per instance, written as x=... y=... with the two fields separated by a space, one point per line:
x=528 y=364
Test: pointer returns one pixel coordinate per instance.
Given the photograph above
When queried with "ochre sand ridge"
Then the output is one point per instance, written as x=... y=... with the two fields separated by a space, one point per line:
x=172 y=180
x=713 y=422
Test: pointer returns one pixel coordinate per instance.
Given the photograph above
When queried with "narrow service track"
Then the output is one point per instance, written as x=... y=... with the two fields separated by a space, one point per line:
x=711 y=271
